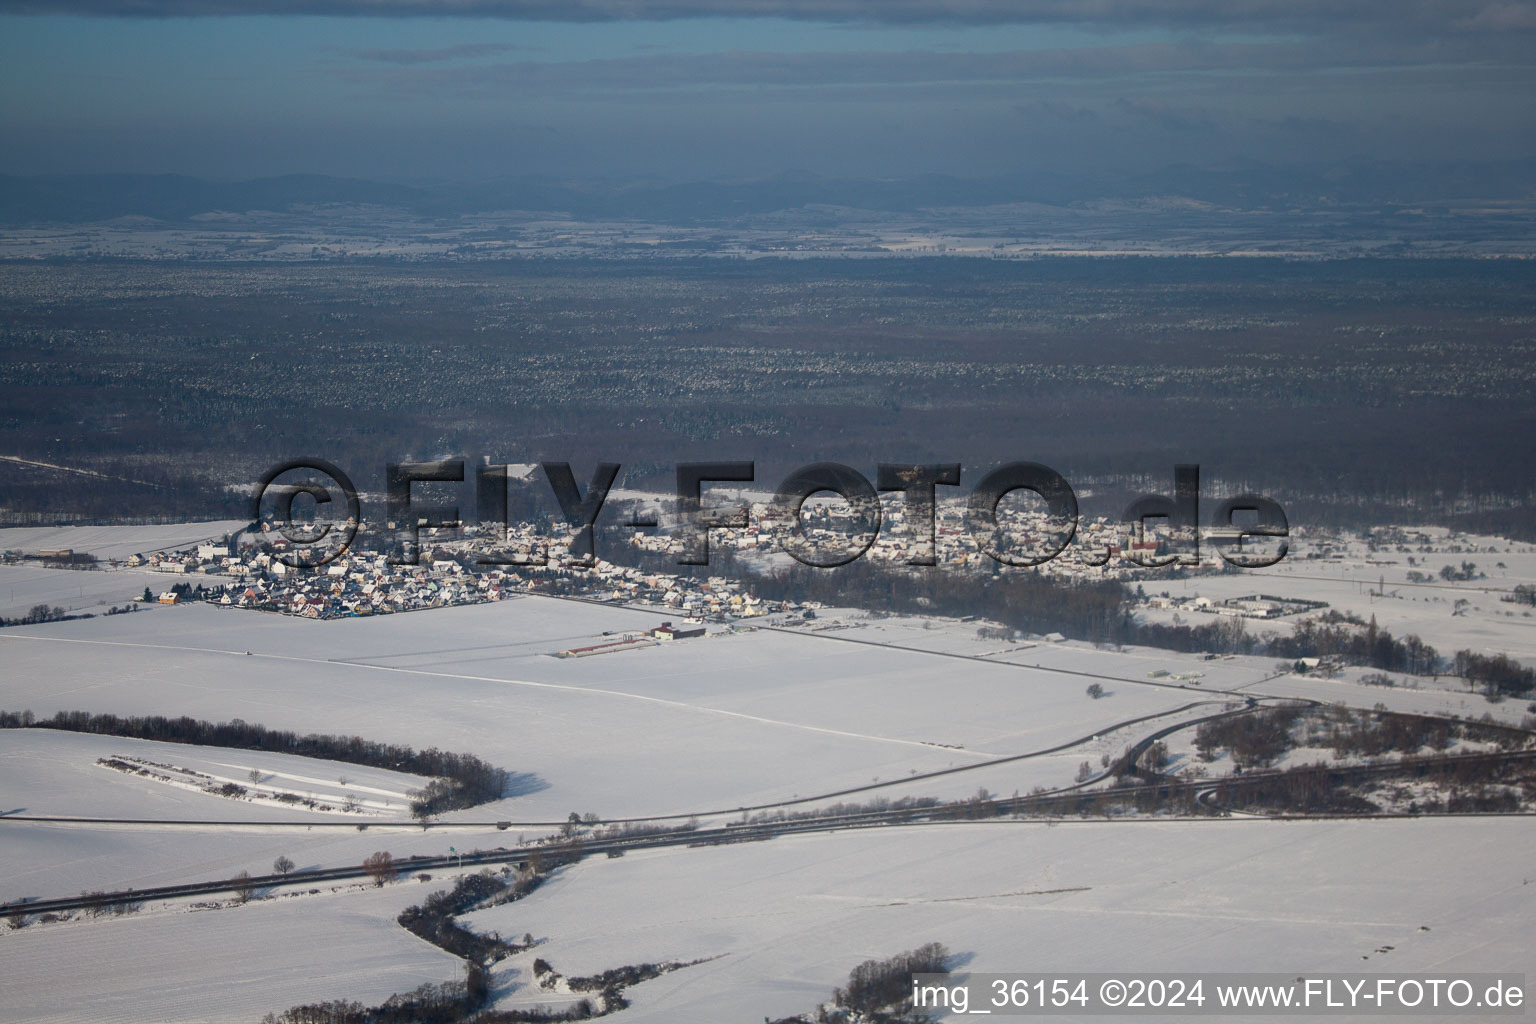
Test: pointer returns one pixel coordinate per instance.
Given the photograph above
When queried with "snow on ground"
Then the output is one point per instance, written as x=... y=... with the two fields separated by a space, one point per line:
x=1125 y=669
x=52 y=773
x=714 y=723
x=115 y=541
x=1115 y=668
x=1185 y=760
x=23 y=586
x=1367 y=583
x=1347 y=690
x=1051 y=771
x=789 y=917
x=42 y=860
x=56 y=773
x=794 y=915
x=231 y=964
x=717 y=723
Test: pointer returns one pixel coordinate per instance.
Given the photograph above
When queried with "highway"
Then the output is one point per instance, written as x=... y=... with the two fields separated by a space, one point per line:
x=1067 y=800
x=1072 y=799
x=396 y=825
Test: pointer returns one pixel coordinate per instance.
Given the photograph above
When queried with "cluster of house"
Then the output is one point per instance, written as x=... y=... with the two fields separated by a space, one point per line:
x=365 y=583
x=832 y=527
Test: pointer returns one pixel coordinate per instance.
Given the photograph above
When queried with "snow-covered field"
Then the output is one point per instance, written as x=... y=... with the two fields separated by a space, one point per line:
x=232 y=964
x=794 y=915
x=787 y=919
x=1120 y=669
x=713 y=724
x=59 y=775
x=41 y=860
x=115 y=541
x=1367 y=583
x=24 y=586
x=48 y=773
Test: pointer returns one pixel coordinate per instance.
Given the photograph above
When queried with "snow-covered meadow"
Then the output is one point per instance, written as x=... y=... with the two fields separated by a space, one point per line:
x=230 y=964
x=784 y=921
x=794 y=915
x=1356 y=580
x=713 y=724
x=115 y=541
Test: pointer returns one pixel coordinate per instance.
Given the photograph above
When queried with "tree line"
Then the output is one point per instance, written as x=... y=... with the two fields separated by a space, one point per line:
x=1099 y=611
x=880 y=991
x=1497 y=674
x=459 y=780
x=463 y=1002
x=433 y=919
x=39 y=613
x=1094 y=610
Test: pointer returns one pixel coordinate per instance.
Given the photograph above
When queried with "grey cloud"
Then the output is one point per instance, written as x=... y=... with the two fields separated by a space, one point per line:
x=434 y=56
x=1165 y=115
x=1056 y=110
x=872 y=68
x=1421 y=16
x=1504 y=17
x=1297 y=125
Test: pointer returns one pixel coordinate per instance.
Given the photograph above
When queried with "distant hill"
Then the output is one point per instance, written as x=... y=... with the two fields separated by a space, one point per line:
x=174 y=198
x=85 y=198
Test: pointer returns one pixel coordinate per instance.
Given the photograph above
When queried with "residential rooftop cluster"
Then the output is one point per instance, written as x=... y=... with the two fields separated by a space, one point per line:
x=363 y=582
x=833 y=527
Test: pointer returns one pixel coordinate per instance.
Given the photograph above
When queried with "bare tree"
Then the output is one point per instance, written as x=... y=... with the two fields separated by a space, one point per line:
x=254 y=775
x=1095 y=691
x=95 y=903
x=381 y=866
x=1084 y=772
x=282 y=865
x=243 y=886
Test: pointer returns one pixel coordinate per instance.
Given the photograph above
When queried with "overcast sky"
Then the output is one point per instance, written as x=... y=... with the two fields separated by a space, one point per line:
x=472 y=89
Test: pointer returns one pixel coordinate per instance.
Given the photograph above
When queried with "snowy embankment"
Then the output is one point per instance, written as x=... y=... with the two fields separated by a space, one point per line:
x=115 y=541
x=715 y=723
x=796 y=914
x=787 y=919
x=1448 y=614
x=227 y=965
